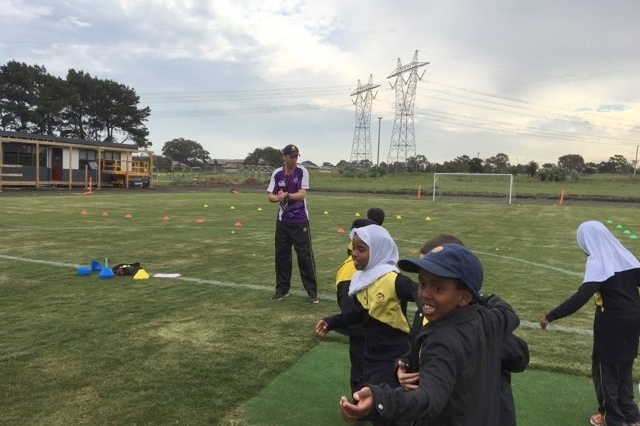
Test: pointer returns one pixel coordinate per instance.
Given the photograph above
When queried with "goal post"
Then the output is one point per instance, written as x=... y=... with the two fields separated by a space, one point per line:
x=491 y=185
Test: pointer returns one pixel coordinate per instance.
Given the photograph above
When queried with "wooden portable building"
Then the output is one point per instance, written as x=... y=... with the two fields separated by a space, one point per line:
x=40 y=161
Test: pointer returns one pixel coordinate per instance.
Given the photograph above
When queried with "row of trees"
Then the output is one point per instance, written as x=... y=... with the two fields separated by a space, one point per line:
x=568 y=166
x=79 y=106
x=191 y=153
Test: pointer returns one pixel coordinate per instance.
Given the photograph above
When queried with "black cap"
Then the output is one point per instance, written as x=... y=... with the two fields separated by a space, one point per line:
x=290 y=150
x=450 y=261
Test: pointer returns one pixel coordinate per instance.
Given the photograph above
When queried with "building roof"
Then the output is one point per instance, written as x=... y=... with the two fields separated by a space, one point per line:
x=48 y=138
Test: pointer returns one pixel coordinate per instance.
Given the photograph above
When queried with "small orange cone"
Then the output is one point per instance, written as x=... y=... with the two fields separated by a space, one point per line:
x=165 y=218
x=199 y=220
x=128 y=216
x=105 y=214
x=83 y=212
x=237 y=224
x=340 y=231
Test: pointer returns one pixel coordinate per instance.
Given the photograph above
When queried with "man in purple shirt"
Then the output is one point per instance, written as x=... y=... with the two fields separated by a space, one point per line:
x=288 y=187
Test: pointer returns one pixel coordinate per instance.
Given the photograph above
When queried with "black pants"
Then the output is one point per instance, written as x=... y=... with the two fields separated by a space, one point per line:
x=297 y=235
x=614 y=391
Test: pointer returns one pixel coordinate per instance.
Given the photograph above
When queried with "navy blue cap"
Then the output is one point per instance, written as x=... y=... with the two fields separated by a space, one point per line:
x=450 y=261
x=290 y=150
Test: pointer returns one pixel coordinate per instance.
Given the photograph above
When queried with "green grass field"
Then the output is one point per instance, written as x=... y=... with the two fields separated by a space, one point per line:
x=197 y=350
x=600 y=186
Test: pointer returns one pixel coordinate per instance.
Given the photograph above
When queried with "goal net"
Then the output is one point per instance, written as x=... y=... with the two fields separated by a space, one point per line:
x=490 y=187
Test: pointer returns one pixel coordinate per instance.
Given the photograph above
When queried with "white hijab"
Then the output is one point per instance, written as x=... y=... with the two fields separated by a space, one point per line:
x=383 y=256
x=606 y=254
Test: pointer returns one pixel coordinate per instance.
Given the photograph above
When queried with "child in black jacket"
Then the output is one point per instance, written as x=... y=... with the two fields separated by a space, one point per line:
x=460 y=358
x=515 y=353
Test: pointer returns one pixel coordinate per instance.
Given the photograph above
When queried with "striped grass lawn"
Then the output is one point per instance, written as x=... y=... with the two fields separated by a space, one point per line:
x=196 y=350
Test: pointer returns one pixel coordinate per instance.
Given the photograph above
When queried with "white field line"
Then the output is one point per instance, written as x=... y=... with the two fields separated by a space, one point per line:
x=217 y=283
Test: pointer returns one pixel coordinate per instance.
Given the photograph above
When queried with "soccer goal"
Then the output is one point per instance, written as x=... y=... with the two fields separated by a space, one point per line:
x=484 y=186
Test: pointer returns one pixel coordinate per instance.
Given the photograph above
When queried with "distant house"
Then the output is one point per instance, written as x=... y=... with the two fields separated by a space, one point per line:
x=39 y=160
x=230 y=166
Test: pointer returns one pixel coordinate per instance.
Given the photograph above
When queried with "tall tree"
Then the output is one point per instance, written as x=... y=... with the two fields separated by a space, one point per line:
x=616 y=164
x=53 y=99
x=186 y=151
x=461 y=163
x=572 y=162
x=265 y=157
x=104 y=110
x=20 y=86
x=475 y=165
x=77 y=114
x=115 y=113
x=532 y=168
x=499 y=163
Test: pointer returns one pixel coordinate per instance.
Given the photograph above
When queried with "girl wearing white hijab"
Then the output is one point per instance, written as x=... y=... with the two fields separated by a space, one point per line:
x=612 y=277
x=379 y=295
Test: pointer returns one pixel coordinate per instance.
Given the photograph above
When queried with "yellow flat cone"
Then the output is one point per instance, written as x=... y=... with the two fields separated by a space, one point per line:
x=357 y=214
x=259 y=209
x=232 y=208
x=398 y=217
x=325 y=212
x=141 y=275
x=427 y=218
x=205 y=205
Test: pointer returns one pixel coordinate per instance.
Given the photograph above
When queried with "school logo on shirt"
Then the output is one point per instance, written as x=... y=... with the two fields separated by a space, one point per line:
x=379 y=297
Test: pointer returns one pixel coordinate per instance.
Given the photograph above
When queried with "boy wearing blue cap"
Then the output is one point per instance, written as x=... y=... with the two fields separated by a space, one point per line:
x=460 y=349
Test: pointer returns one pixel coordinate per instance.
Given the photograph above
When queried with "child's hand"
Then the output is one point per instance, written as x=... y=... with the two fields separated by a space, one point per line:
x=361 y=407
x=408 y=381
x=544 y=322
x=322 y=328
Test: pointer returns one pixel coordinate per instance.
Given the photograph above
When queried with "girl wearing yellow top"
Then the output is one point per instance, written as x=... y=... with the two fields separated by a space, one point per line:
x=380 y=295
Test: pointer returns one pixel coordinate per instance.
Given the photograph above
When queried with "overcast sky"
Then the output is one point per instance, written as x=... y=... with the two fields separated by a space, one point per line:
x=532 y=79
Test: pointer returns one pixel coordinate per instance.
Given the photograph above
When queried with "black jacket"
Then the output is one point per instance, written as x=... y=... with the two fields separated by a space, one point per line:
x=616 y=326
x=460 y=370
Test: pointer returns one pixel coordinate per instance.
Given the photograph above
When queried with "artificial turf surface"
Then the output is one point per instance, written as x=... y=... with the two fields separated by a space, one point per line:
x=308 y=394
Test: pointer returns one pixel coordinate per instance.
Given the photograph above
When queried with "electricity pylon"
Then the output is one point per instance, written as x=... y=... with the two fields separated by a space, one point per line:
x=361 y=148
x=403 y=137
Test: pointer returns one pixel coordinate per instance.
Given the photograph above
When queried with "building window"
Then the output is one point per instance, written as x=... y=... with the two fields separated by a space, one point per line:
x=19 y=154
x=110 y=155
x=86 y=156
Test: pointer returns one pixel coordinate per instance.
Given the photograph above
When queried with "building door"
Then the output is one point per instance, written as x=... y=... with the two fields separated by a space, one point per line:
x=56 y=164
